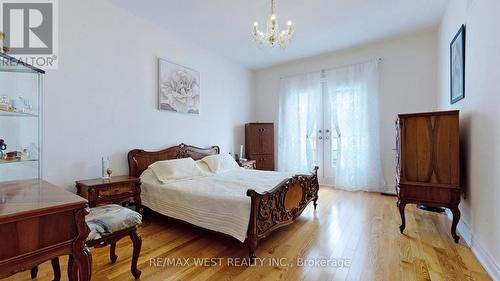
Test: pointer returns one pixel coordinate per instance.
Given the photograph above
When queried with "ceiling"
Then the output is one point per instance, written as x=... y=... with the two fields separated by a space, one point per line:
x=321 y=26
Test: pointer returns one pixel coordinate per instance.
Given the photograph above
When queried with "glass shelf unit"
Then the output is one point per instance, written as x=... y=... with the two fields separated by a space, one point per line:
x=21 y=88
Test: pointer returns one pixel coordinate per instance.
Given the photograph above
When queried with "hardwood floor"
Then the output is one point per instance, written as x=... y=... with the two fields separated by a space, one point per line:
x=357 y=228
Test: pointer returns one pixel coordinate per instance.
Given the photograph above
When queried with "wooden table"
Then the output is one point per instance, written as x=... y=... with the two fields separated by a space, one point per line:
x=41 y=222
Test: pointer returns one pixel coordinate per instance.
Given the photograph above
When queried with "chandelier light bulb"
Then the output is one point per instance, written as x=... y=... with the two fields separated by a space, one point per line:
x=255 y=24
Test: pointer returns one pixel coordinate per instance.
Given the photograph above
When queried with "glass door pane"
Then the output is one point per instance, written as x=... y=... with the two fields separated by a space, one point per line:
x=20 y=120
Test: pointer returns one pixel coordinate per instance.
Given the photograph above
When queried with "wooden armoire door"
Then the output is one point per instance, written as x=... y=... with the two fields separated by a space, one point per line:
x=429 y=150
x=267 y=139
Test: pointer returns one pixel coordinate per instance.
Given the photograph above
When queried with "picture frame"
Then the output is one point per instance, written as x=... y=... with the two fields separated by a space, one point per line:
x=457 y=66
x=178 y=88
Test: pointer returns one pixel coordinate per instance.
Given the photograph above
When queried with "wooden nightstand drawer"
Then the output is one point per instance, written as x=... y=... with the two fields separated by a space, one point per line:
x=114 y=191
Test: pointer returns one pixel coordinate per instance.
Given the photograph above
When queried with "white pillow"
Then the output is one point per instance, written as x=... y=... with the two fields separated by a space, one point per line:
x=203 y=167
x=220 y=162
x=175 y=169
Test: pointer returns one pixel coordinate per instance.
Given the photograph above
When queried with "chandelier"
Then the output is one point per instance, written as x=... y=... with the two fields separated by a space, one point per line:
x=273 y=36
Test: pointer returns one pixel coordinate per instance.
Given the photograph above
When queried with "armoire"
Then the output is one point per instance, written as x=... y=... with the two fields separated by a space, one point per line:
x=428 y=162
x=259 y=144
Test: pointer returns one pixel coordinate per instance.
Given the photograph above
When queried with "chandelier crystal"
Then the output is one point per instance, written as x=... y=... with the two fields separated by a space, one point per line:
x=273 y=36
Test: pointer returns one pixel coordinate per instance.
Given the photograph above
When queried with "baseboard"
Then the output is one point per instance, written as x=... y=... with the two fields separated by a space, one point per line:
x=389 y=190
x=386 y=190
x=482 y=255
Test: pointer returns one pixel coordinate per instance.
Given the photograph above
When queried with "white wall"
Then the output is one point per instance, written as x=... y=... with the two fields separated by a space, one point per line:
x=407 y=83
x=480 y=126
x=102 y=99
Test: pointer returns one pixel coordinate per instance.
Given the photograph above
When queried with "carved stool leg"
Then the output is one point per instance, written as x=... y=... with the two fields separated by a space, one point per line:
x=34 y=272
x=456 y=218
x=402 y=213
x=137 y=242
x=56 y=268
x=112 y=255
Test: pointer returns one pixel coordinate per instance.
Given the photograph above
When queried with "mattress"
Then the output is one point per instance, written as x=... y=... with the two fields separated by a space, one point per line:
x=213 y=201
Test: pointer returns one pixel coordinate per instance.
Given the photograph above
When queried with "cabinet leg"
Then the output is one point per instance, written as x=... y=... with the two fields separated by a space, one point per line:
x=34 y=272
x=72 y=272
x=138 y=203
x=56 y=268
x=402 y=213
x=456 y=218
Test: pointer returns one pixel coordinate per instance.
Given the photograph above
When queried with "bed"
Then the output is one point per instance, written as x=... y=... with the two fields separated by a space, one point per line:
x=245 y=204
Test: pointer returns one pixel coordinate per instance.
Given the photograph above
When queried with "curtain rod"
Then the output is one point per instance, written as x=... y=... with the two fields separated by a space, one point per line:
x=379 y=60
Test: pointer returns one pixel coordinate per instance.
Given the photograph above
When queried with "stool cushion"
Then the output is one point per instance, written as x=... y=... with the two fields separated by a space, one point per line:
x=106 y=219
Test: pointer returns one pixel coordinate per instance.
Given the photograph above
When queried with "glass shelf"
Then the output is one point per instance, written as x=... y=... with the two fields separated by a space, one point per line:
x=17 y=161
x=17 y=114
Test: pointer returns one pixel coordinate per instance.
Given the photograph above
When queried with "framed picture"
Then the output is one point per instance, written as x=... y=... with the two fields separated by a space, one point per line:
x=457 y=66
x=179 y=88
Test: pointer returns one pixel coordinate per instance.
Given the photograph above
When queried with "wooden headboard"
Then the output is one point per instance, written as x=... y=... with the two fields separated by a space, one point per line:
x=139 y=160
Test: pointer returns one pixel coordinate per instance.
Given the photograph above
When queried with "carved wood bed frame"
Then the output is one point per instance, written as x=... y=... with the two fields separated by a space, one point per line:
x=269 y=211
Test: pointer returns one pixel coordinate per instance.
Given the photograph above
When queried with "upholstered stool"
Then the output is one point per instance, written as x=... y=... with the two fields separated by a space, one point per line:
x=108 y=224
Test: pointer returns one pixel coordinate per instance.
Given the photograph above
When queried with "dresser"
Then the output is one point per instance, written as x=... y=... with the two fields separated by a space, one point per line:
x=259 y=145
x=428 y=162
x=42 y=222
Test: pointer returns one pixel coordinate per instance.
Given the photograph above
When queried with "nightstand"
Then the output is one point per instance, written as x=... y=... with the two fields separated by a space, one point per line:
x=247 y=164
x=117 y=190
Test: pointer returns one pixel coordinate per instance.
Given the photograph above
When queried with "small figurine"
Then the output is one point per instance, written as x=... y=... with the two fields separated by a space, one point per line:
x=3 y=146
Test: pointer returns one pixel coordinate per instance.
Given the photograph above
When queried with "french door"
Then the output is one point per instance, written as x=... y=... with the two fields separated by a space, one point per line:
x=327 y=138
x=330 y=119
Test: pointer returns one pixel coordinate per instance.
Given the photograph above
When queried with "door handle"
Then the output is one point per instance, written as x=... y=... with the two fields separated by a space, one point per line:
x=320 y=138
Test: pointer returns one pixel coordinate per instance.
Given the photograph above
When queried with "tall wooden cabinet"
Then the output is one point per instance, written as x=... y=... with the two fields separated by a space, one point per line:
x=428 y=165
x=259 y=144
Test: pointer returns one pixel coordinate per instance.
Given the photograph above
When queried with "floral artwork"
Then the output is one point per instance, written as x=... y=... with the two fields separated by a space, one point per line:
x=179 y=88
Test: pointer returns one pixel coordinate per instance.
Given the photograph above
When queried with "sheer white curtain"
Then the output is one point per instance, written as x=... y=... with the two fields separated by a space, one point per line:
x=299 y=116
x=353 y=94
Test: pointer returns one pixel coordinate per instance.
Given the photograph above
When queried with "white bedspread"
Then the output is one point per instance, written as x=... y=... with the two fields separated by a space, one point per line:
x=217 y=201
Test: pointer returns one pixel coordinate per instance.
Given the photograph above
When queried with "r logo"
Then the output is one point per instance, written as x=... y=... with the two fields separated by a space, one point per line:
x=28 y=27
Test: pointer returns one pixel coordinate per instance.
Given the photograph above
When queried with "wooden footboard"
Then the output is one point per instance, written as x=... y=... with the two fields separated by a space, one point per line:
x=280 y=206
